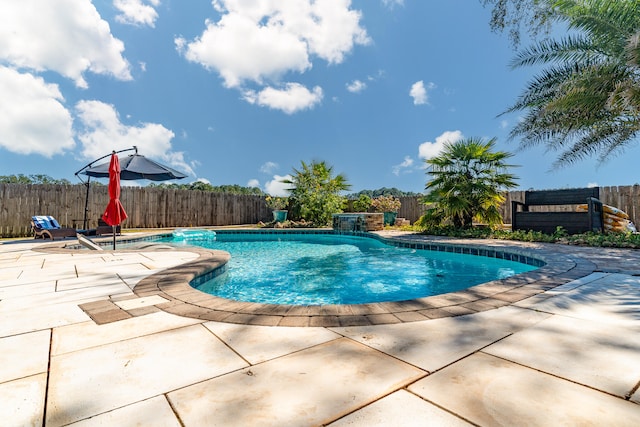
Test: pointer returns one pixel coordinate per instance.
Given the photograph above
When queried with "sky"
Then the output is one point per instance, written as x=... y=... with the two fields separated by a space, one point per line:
x=242 y=91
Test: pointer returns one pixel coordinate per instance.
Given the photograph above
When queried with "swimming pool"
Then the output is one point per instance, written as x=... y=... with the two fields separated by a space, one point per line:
x=317 y=269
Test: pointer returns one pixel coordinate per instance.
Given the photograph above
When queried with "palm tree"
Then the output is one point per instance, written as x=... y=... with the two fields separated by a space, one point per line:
x=468 y=180
x=587 y=102
x=315 y=192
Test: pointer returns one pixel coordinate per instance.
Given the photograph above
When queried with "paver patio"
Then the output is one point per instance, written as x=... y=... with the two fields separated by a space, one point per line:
x=569 y=355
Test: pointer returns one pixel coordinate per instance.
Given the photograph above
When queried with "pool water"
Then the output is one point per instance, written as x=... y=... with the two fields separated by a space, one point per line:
x=316 y=269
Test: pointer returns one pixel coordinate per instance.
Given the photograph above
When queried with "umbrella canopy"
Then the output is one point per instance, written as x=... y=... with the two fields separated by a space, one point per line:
x=133 y=167
x=136 y=166
x=115 y=213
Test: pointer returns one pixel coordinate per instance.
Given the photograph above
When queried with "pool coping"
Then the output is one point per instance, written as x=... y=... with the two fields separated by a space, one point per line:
x=173 y=285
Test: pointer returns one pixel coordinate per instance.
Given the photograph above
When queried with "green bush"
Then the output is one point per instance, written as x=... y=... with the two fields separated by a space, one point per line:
x=362 y=204
x=608 y=240
x=315 y=193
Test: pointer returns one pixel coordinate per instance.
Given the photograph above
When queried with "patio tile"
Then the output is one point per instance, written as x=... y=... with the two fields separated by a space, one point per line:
x=490 y=391
x=39 y=317
x=436 y=343
x=588 y=353
x=400 y=409
x=22 y=290
x=23 y=401
x=300 y=321
x=310 y=387
x=75 y=295
x=87 y=334
x=614 y=299
x=24 y=355
x=154 y=412
x=133 y=370
x=90 y=280
x=140 y=302
x=260 y=343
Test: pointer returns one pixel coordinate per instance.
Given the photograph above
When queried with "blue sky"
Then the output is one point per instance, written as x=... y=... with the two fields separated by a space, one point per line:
x=241 y=91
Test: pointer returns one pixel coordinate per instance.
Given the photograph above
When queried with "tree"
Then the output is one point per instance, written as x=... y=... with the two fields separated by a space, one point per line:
x=315 y=192
x=32 y=179
x=384 y=191
x=516 y=16
x=468 y=181
x=205 y=186
x=587 y=101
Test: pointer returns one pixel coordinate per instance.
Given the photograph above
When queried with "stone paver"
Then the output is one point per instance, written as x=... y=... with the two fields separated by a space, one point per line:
x=154 y=412
x=609 y=298
x=260 y=343
x=434 y=344
x=16 y=364
x=400 y=409
x=85 y=335
x=490 y=391
x=134 y=303
x=586 y=352
x=119 y=338
x=22 y=401
x=38 y=317
x=100 y=379
x=310 y=387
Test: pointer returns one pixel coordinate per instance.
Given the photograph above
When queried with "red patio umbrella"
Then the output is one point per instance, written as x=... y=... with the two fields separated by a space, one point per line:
x=115 y=213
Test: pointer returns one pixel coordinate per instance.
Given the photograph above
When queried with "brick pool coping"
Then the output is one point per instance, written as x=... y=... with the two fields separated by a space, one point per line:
x=173 y=285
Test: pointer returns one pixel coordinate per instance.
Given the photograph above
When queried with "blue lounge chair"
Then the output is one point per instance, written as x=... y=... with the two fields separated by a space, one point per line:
x=47 y=227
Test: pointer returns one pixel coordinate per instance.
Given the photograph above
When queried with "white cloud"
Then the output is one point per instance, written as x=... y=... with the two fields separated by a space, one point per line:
x=292 y=98
x=428 y=150
x=103 y=132
x=33 y=119
x=275 y=187
x=419 y=92
x=253 y=183
x=269 y=167
x=404 y=166
x=592 y=185
x=356 y=86
x=241 y=49
x=263 y=41
x=392 y=3
x=137 y=12
x=65 y=36
x=504 y=124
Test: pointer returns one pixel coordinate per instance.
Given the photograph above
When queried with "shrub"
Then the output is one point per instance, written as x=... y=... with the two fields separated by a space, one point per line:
x=386 y=204
x=362 y=204
x=315 y=193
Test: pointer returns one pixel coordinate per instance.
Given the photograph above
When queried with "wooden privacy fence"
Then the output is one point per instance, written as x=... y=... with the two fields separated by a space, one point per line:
x=155 y=207
x=147 y=207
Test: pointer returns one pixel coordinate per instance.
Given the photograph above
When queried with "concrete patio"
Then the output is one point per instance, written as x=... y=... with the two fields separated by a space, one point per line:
x=566 y=356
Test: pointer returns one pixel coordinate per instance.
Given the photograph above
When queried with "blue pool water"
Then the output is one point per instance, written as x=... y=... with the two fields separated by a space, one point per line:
x=333 y=269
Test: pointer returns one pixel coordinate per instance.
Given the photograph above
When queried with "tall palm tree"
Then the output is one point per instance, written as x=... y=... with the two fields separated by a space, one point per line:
x=468 y=181
x=587 y=101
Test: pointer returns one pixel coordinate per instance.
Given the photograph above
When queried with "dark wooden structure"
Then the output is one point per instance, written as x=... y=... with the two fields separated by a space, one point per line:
x=525 y=218
x=104 y=228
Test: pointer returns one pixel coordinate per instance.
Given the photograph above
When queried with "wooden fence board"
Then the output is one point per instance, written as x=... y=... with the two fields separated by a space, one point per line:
x=155 y=207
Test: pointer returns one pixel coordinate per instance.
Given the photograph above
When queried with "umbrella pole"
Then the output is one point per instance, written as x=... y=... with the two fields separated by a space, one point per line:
x=114 y=237
x=86 y=204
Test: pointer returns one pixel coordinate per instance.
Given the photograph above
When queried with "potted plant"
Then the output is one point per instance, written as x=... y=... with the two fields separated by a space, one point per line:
x=389 y=206
x=278 y=206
